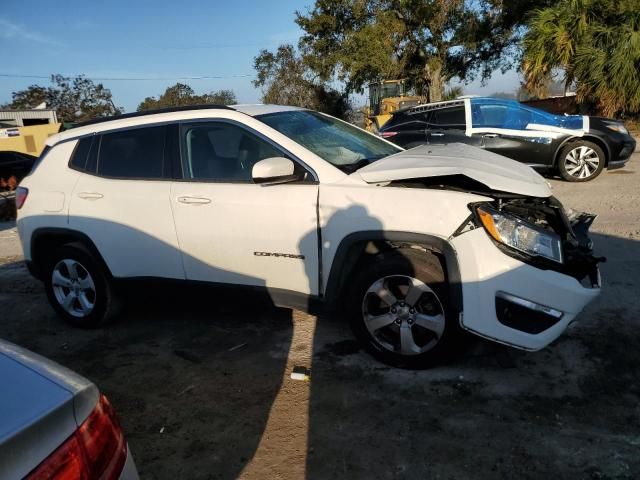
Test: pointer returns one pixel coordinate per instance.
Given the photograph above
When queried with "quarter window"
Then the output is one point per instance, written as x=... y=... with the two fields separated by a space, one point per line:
x=81 y=153
x=223 y=152
x=137 y=153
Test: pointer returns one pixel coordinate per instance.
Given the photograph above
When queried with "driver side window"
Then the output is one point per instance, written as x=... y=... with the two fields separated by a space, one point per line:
x=221 y=152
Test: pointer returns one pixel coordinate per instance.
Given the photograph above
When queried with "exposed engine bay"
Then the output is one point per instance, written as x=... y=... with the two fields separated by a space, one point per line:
x=547 y=214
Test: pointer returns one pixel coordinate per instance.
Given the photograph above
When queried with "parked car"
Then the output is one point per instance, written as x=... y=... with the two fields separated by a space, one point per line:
x=577 y=147
x=55 y=424
x=16 y=165
x=415 y=245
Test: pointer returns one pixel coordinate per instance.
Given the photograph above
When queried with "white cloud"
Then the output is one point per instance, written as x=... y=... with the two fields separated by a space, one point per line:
x=14 y=32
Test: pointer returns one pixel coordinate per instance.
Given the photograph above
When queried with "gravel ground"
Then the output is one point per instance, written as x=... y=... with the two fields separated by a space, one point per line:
x=201 y=380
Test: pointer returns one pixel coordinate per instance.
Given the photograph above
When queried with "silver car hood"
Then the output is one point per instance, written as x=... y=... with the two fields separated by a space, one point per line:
x=494 y=171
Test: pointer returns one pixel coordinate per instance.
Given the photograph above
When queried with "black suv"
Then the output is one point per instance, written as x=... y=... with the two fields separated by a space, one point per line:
x=578 y=147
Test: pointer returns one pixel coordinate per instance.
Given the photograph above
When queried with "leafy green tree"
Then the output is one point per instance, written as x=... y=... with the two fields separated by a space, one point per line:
x=74 y=99
x=181 y=94
x=592 y=43
x=286 y=80
x=452 y=93
x=427 y=42
x=221 y=97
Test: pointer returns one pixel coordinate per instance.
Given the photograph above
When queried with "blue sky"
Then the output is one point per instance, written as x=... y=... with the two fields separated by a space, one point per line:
x=158 y=39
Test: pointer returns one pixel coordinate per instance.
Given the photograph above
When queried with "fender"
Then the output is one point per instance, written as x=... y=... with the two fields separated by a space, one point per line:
x=61 y=236
x=588 y=137
x=344 y=262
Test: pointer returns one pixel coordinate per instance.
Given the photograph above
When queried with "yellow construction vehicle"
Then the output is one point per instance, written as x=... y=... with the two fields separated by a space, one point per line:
x=386 y=97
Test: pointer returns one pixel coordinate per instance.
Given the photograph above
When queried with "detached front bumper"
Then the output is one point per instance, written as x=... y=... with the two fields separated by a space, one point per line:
x=512 y=302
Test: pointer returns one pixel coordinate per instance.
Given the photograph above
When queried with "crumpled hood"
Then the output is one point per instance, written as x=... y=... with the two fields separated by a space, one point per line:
x=494 y=171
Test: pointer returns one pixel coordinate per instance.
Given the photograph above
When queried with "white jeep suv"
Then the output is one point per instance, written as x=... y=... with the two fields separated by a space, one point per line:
x=415 y=245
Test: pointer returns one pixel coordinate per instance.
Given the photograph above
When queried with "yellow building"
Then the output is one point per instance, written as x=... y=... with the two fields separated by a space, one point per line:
x=26 y=131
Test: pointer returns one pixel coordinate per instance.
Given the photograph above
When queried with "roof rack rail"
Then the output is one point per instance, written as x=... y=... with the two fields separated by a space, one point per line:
x=434 y=106
x=152 y=112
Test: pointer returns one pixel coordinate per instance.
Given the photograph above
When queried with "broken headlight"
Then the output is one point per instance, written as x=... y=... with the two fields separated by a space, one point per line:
x=520 y=235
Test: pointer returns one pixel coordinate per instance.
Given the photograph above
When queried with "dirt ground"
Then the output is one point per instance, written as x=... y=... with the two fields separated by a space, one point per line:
x=201 y=380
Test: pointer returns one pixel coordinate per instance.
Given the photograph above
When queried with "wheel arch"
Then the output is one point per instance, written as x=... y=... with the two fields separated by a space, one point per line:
x=352 y=248
x=591 y=138
x=44 y=241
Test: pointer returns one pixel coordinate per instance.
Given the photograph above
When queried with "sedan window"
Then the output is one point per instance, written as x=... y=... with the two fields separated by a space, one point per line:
x=450 y=117
x=493 y=113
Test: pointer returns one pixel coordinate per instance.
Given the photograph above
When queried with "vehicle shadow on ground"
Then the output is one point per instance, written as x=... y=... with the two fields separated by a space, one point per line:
x=494 y=412
x=7 y=225
x=195 y=374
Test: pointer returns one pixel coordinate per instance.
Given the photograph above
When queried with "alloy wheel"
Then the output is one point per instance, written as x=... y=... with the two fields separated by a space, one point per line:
x=581 y=162
x=73 y=287
x=403 y=315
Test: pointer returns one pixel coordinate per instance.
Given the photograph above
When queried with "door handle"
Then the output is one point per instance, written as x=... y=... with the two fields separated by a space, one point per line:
x=437 y=134
x=490 y=135
x=90 y=195
x=187 y=200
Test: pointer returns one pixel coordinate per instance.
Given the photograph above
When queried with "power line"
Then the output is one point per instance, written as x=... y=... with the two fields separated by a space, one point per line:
x=117 y=79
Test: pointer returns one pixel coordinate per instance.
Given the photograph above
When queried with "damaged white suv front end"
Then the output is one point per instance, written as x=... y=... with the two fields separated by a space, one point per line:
x=526 y=267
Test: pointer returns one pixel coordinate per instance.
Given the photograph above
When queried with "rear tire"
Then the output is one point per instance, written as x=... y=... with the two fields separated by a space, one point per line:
x=78 y=287
x=581 y=161
x=400 y=309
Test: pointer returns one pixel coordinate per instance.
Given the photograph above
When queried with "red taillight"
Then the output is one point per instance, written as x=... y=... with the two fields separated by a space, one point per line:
x=21 y=196
x=388 y=134
x=96 y=450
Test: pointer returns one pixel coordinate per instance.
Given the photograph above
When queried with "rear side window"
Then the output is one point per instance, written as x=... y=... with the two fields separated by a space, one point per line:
x=453 y=117
x=407 y=122
x=137 y=153
x=81 y=153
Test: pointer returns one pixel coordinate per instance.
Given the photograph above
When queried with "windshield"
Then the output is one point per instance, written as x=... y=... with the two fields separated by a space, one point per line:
x=337 y=142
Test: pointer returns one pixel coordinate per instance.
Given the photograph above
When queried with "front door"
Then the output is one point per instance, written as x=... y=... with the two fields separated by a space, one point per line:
x=234 y=231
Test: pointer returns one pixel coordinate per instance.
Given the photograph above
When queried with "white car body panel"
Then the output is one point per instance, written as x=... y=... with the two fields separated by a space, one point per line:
x=344 y=211
x=49 y=195
x=233 y=238
x=494 y=171
x=485 y=271
x=131 y=213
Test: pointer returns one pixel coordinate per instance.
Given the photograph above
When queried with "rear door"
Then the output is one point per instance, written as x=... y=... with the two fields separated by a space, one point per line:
x=448 y=125
x=121 y=200
x=407 y=129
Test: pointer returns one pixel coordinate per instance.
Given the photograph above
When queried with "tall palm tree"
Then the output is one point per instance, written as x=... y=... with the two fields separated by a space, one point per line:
x=595 y=43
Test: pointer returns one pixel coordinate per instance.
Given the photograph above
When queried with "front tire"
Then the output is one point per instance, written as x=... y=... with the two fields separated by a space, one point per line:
x=78 y=287
x=400 y=310
x=581 y=161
